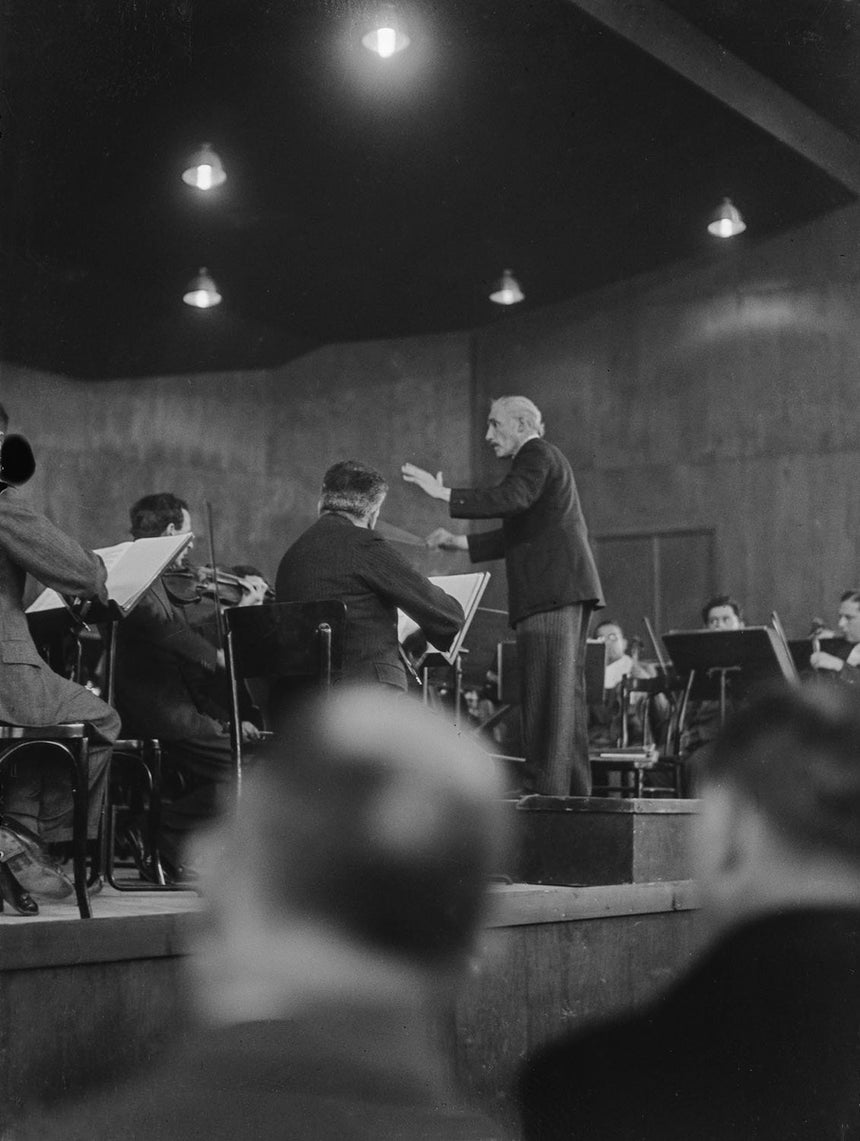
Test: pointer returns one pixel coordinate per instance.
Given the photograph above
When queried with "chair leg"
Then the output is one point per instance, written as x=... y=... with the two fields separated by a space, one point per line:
x=80 y=780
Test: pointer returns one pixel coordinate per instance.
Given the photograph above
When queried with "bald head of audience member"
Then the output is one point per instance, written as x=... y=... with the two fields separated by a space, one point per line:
x=358 y=859
x=780 y=815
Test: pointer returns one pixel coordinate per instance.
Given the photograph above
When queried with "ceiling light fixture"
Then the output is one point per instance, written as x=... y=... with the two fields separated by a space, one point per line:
x=387 y=37
x=202 y=292
x=726 y=220
x=205 y=169
x=507 y=290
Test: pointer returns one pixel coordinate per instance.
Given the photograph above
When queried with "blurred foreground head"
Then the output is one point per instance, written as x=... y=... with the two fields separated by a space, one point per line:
x=781 y=802
x=371 y=823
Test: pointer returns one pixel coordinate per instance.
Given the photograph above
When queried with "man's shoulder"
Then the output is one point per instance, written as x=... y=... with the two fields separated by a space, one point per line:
x=540 y=450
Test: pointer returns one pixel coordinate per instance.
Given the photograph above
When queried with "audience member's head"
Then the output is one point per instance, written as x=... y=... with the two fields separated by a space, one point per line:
x=610 y=632
x=722 y=613
x=354 y=489
x=361 y=849
x=780 y=791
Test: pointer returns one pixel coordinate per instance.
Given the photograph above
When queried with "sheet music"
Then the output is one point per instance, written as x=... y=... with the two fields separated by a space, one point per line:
x=131 y=567
x=468 y=590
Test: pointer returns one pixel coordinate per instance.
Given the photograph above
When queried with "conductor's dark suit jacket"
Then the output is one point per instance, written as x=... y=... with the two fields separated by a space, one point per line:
x=336 y=559
x=759 y=1042
x=543 y=538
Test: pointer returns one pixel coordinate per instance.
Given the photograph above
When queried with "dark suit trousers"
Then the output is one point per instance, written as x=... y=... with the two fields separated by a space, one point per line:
x=207 y=761
x=551 y=652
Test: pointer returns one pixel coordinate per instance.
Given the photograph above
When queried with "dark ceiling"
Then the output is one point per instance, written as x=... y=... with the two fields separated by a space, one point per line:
x=370 y=198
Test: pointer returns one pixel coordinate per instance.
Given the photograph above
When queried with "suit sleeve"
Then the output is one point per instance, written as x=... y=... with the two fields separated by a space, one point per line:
x=486 y=546
x=388 y=574
x=153 y=620
x=520 y=488
x=47 y=553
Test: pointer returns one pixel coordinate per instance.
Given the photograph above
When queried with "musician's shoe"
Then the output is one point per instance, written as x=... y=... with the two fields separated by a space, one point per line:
x=30 y=863
x=12 y=893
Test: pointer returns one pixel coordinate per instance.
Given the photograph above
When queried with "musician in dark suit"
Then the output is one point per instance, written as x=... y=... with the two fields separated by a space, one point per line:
x=553 y=586
x=165 y=675
x=760 y=1040
x=37 y=796
x=844 y=666
x=341 y=557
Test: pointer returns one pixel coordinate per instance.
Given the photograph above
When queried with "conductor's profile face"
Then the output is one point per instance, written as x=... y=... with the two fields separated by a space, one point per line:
x=849 y=620
x=723 y=618
x=503 y=432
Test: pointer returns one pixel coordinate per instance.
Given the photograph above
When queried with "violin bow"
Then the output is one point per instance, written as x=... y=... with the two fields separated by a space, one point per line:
x=219 y=625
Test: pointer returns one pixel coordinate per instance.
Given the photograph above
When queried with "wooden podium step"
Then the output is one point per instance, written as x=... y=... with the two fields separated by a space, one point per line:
x=579 y=840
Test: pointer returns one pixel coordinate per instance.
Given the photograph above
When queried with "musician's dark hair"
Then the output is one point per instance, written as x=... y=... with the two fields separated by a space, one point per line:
x=352 y=488
x=793 y=752
x=720 y=600
x=851 y=596
x=153 y=514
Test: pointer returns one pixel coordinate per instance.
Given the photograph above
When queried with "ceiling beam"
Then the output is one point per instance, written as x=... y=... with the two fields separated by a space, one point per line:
x=669 y=38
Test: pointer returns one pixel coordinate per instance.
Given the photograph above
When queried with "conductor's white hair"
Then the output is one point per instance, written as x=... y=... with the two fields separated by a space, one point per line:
x=525 y=410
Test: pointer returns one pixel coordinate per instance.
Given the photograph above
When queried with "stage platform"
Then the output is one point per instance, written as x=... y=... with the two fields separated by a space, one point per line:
x=86 y=1001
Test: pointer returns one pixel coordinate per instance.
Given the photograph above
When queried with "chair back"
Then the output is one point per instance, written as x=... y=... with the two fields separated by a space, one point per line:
x=279 y=641
x=286 y=639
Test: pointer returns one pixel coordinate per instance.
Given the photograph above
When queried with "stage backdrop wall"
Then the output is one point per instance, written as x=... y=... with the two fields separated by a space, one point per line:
x=254 y=444
x=718 y=397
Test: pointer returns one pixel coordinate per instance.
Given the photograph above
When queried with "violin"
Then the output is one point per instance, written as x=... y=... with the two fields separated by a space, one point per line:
x=188 y=584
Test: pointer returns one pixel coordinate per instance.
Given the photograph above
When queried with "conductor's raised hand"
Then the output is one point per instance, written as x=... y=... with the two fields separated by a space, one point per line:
x=446 y=540
x=431 y=484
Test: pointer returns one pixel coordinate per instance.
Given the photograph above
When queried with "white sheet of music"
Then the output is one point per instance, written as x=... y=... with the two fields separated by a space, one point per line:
x=131 y=569
x=468 y=589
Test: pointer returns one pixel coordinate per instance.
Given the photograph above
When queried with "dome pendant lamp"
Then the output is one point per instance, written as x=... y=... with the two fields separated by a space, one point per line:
x=387 y=36
x=726 y=220
x=205 y=170
x=202 y=292
x=507 y=290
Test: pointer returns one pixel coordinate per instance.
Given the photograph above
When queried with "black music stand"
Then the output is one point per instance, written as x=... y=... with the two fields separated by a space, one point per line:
x=710 y=660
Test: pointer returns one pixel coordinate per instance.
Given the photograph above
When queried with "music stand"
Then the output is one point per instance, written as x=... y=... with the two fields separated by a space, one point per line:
x=707 y=659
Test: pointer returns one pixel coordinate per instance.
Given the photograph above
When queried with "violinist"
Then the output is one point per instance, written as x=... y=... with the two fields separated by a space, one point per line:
x=841 y=659
x=160 y=660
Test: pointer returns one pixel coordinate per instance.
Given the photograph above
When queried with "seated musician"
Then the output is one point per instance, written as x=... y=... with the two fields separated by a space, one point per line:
x=37 y=802
x=845 y=667
x=341 y=557
x=605 y=719
x=703 y=719
x=162 y=664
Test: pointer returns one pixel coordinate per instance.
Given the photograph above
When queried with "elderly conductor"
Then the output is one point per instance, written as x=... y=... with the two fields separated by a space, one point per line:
x=552 y=586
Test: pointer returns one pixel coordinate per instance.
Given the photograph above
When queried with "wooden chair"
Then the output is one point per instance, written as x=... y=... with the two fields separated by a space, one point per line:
x=144 y=756
x=70 y=741
x=658 y=761
x=281 y=641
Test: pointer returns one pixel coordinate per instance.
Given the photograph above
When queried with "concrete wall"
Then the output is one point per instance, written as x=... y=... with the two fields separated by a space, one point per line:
x=722 y=394
x=254 y=444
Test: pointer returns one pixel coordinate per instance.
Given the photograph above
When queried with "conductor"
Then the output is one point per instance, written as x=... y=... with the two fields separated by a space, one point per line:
x=552 y=586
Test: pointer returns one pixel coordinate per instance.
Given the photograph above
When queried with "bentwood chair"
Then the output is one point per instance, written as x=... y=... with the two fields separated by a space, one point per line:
x=70 y=742
x=141 y=758
x=283 y=642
